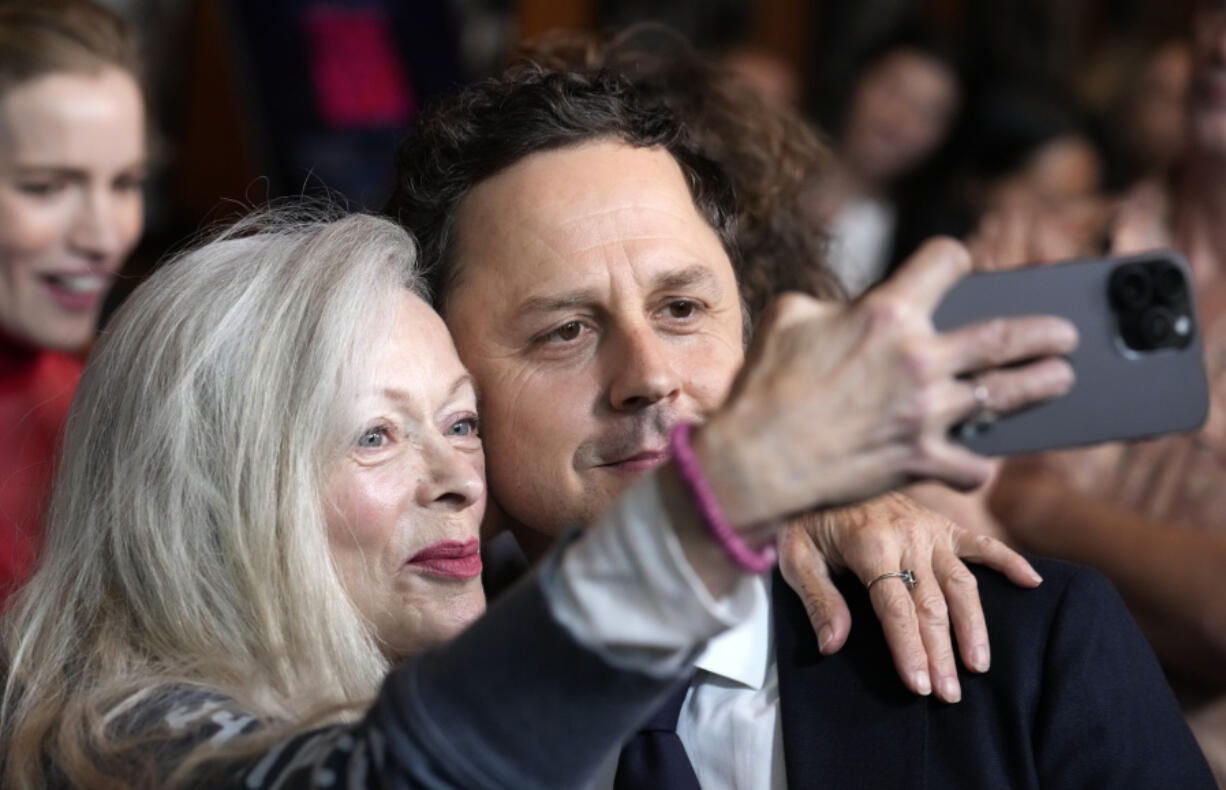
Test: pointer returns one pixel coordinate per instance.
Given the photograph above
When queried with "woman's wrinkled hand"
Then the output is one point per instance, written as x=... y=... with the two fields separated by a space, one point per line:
x=840 y=402
x=885 y=535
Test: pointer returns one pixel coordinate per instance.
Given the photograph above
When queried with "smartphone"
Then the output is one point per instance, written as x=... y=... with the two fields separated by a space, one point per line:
x=1139 y=366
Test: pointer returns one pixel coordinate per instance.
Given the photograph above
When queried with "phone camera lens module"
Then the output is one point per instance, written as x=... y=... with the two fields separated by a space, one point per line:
x=1157 y=327
x=1169 y=285
x=1131 y=288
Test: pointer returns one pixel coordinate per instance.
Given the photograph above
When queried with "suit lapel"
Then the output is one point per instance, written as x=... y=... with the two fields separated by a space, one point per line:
x=847 y=719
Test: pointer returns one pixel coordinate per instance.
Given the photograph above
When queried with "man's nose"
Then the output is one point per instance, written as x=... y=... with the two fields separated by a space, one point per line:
x=450 y=480
x=644 y=370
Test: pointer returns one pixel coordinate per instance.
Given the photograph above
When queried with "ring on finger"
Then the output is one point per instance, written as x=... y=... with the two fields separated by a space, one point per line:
x=983 y=413
x=906 y=574
x=983 y=416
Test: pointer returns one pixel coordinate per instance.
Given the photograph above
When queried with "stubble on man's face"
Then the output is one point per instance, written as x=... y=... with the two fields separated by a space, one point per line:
x=595 y=307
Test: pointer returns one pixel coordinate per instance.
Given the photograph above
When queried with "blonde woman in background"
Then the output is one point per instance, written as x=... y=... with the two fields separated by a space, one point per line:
x=72 y=164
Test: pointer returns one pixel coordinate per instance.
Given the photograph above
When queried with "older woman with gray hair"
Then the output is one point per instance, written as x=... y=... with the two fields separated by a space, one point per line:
x=261 y=558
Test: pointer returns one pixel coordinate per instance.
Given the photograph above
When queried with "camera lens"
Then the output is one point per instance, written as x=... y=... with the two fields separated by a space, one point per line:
x=1169 y=285
x=1157 y=327
x=1131 y=287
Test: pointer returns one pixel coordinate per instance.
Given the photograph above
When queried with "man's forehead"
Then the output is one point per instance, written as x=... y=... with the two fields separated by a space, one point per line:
x=556 y=188
x=579 y=204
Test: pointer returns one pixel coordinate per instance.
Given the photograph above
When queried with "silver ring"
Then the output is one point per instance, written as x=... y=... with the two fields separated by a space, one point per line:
x=981 y=419
x=906 y=574
x=980 y=394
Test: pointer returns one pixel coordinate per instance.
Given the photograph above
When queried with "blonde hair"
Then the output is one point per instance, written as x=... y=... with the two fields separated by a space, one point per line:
x=51 y=36
x=185 y=540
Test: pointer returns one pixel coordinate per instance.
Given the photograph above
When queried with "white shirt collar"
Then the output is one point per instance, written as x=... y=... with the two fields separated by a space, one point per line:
x=743 y=653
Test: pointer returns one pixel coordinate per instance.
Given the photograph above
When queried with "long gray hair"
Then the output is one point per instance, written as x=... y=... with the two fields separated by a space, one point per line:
x=185 y=540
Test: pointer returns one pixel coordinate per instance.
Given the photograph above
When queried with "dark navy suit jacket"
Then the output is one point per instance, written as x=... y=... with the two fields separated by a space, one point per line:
x=1074 y=698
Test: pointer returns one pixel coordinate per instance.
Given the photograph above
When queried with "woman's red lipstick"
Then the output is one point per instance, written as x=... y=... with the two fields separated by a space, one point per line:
x=454 y=558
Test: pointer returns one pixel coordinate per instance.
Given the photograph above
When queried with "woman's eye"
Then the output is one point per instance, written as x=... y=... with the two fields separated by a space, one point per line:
x=469 y=426
x=374 y=437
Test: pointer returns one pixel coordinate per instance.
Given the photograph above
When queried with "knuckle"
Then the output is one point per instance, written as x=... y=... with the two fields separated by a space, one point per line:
x=815 y=607
x=796 y=558
x=926 y=413
x=964 y=582
x=872 y=544
x=926 y=454
x=996 y=335
x=986 y=543
x=911 y=529
x=885 y=313
x=949 y=251
x=913 y=413
x=932 y=607
x=921 y=361
x=1001 y=390
x=897 y=607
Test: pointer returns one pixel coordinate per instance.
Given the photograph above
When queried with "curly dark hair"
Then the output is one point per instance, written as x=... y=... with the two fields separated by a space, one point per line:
x=527 y=109
x=775 y=158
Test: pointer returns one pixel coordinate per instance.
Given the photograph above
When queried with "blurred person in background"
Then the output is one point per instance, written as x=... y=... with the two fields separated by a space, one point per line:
x=72 y=164
x=902 y=104
x=1150 y=514
x=1151 y=113
x=1031 y=186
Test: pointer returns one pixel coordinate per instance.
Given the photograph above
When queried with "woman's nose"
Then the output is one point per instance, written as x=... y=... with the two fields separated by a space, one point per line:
x=451 y=479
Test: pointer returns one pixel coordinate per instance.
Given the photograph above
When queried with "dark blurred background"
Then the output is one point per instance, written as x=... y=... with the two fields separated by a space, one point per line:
x=259 y=100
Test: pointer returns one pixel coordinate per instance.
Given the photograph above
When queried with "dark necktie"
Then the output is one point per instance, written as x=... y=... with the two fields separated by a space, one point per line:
x=655 y=757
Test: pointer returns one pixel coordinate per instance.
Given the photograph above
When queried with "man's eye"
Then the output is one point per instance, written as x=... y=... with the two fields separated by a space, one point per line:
x=468 y=426
x=372 y=438
x=682 y=308
x=567 y=332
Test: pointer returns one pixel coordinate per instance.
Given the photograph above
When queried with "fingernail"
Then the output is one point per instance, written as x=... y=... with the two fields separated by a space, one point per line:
x=980 y=660
x=1063 y=375
x=922 y=683
x=1035 y=575
x=950 y=690
x=823 y=637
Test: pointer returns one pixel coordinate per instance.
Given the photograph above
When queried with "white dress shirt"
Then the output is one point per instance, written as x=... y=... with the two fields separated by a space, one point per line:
x=625 y=589
x=730 y=723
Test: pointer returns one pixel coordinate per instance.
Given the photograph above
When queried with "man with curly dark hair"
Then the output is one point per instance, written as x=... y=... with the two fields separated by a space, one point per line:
x=582 y=249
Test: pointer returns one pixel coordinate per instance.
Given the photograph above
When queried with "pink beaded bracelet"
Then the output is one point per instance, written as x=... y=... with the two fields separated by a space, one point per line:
x=753 y=561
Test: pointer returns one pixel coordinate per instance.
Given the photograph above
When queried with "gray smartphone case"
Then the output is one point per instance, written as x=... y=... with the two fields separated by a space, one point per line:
x=1119 y=393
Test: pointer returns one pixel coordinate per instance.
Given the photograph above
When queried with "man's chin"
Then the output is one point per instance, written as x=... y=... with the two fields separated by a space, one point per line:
x=602 y=485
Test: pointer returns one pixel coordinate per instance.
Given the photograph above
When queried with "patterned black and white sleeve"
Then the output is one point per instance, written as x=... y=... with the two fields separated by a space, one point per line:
x=514 y=701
